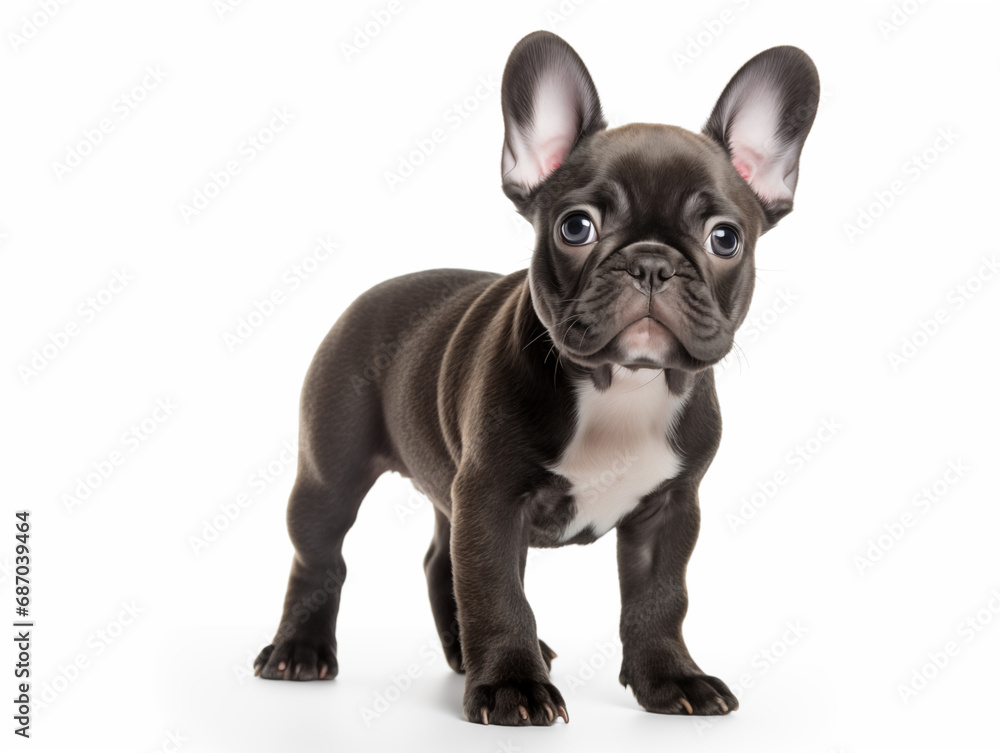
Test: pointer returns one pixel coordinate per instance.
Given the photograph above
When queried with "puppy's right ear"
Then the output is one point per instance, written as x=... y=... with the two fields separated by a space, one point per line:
x=763 y=118
x=549 y=103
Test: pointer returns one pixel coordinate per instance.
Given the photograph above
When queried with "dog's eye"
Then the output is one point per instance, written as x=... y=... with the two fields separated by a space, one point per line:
x=723 y=241
x=578 y=230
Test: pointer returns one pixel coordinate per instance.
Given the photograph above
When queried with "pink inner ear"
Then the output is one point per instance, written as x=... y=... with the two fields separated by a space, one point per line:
x=550 y=155
x=744 y=168
x=538 y=148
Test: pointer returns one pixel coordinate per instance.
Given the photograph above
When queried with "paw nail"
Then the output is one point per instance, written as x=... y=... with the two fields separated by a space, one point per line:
x=548 y=711
x=687 y=705
x=524 y=712
x=486 y=719
x=257 y=669
x=322 y=671
x=298 y=669
x=722 y=704
x=281 y=666
x=563 y=713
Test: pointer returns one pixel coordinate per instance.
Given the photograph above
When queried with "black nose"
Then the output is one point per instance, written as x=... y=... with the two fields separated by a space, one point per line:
x=649 y=272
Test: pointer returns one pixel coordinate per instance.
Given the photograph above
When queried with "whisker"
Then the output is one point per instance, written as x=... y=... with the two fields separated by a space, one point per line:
x=741 y=352
x=655 y=377
x=545 y=331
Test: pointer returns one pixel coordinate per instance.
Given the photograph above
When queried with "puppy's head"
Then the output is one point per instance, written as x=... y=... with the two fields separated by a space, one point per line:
x=646 y=233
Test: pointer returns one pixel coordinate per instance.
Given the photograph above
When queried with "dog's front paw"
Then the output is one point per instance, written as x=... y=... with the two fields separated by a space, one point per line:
x=702 y=695
x=296 y=659
x=514 y=703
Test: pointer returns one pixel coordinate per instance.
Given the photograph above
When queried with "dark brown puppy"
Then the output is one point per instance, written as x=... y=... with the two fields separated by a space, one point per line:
x=546 y=407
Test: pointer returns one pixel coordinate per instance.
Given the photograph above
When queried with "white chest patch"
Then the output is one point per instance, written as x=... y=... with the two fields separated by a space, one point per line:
x=621 y=449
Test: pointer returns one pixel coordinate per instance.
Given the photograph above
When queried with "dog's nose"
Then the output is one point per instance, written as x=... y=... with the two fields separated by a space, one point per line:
x=649 y=272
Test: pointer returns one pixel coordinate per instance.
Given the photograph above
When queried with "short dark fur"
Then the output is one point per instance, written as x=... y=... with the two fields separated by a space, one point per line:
x=473 y=397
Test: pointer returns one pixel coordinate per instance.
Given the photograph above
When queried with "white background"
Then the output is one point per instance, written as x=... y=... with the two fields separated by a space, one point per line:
x=179 y=670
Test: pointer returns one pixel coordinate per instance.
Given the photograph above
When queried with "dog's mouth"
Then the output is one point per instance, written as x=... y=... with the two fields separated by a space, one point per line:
x=645 y=342
x=647 y=333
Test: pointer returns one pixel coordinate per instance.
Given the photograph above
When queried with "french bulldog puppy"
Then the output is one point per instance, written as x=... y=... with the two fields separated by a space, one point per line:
x=546 y=407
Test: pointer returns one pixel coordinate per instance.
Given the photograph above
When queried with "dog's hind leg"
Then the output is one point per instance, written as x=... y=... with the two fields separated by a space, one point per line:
x=342 y=451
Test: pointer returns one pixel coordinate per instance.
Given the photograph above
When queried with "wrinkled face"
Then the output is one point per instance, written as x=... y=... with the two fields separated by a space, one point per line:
x=646 y=233
x=644 y=255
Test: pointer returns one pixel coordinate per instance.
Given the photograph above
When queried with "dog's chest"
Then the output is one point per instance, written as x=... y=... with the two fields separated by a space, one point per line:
x=620 y=450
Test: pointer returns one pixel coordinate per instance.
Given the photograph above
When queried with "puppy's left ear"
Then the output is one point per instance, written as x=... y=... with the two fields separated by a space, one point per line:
x=549 y=103
x=763 y=118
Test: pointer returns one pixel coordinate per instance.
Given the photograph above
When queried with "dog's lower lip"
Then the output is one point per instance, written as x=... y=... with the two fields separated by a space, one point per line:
x=648 y=316
x=650 y=324
x=642 y=319
x=587 y=354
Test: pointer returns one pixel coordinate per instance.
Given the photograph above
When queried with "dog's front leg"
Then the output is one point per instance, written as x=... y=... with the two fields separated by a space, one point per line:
x=506 y=680
x=653 y=551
